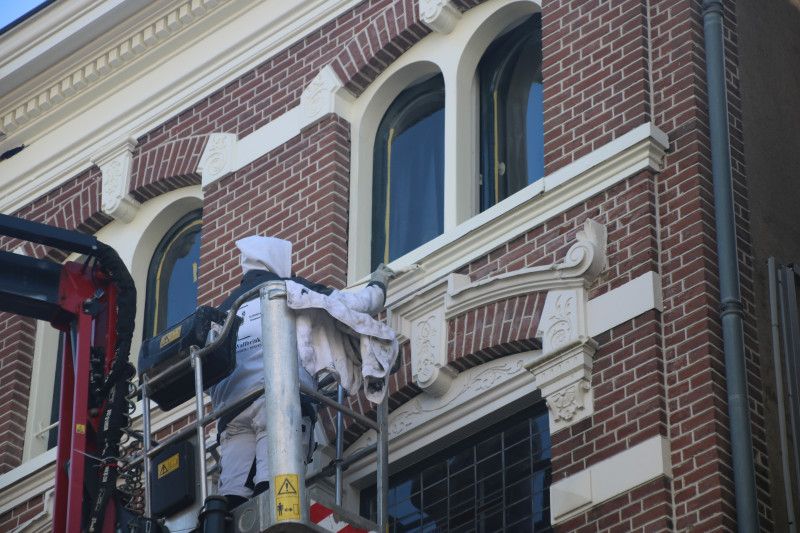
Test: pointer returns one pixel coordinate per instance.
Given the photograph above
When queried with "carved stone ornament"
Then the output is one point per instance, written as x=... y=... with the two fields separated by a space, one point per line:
x=219 y=157
x=319 y=98
x=116 y=165
x=563 y=369
x=564 y=372
x=421 y=320
x=583 y=263
x=429 y=368
x=439 y=15
x=472 y=392
x=564 y=377
x=587 y=257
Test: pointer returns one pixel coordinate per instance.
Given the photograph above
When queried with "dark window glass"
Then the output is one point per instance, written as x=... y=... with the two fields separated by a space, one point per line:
x=173 y=276
x=497 y=480
x=408 y=174
x=512 y=119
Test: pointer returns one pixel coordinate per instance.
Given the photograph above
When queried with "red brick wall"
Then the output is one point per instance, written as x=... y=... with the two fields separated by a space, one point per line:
x=162 y=164
x=16 y=357
x=594 y=66
x=698 y=417
x=298 y=192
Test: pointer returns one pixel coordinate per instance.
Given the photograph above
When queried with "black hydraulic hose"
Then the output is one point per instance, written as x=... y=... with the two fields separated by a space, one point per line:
x=114 y=418
x=731 y=305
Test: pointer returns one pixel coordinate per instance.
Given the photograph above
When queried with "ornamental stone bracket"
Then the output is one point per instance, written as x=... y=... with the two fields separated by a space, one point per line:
x=563 y=370
x=439 y=15
x=324 y=95
x=581 y=266
x=115 y=165
x=219 y=157
x=421 y=321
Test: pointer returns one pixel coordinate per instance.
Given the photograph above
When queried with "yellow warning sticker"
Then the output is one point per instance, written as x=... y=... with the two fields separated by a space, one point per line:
x=170 y=465
x=80 y=429
x=170 y=336
x=287 y=497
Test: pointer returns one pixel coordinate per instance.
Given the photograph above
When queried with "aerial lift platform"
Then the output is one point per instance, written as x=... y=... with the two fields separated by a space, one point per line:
x=103 y=486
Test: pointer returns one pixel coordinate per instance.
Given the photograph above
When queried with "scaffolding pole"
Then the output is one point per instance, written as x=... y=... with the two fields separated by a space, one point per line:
x=284 y=418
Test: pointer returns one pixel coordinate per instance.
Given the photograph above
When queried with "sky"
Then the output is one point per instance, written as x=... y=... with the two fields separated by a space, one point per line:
x=11 y=10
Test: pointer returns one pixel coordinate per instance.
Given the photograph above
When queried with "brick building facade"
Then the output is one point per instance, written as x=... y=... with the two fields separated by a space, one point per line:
x=593 y=288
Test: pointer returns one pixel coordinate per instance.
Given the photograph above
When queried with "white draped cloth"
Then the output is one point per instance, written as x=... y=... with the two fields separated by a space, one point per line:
x=336 y=333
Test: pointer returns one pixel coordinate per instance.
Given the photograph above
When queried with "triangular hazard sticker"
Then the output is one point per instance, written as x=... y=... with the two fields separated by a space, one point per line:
x=286 y=488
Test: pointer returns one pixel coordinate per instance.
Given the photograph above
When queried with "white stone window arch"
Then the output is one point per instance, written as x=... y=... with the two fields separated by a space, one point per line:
x=455 y=55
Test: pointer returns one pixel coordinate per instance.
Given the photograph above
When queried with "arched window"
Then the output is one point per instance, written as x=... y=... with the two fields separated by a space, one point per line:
x=512 y=140
x=172 y=278
x=408 y=176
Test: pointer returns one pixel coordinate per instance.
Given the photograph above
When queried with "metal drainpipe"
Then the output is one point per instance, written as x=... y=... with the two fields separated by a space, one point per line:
x=731 y=305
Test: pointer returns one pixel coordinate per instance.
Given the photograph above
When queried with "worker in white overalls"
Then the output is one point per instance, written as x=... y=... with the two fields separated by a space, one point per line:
x=243 y=439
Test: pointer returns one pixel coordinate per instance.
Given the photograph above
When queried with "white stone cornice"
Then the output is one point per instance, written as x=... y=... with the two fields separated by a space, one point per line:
x=564 y=372
x=439 y=15
x=422 y=319
x=116 y=165
x=124 y=51
x=207 y=54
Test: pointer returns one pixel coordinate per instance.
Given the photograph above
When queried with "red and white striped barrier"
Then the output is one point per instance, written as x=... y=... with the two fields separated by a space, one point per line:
x=323 y=517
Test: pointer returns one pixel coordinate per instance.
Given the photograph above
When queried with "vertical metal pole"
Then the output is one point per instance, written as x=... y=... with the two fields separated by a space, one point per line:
x=146 y=428
x=284 y=419
x=197 y=364
x=339 y=447
x=383 y=464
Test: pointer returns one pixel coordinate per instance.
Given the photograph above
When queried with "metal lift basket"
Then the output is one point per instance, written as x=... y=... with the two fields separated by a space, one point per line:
x=173 y=348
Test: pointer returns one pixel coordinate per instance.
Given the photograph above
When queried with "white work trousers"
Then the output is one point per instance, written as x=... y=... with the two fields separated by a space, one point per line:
x=245 y=439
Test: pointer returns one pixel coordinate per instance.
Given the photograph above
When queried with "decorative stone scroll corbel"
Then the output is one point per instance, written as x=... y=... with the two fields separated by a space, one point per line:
x=583 y=263
x=421 y=320
x=567 y=348
x=115 y=165
x=564 y=371
x=439 y=15
x=219 y=157
x=324 y=95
